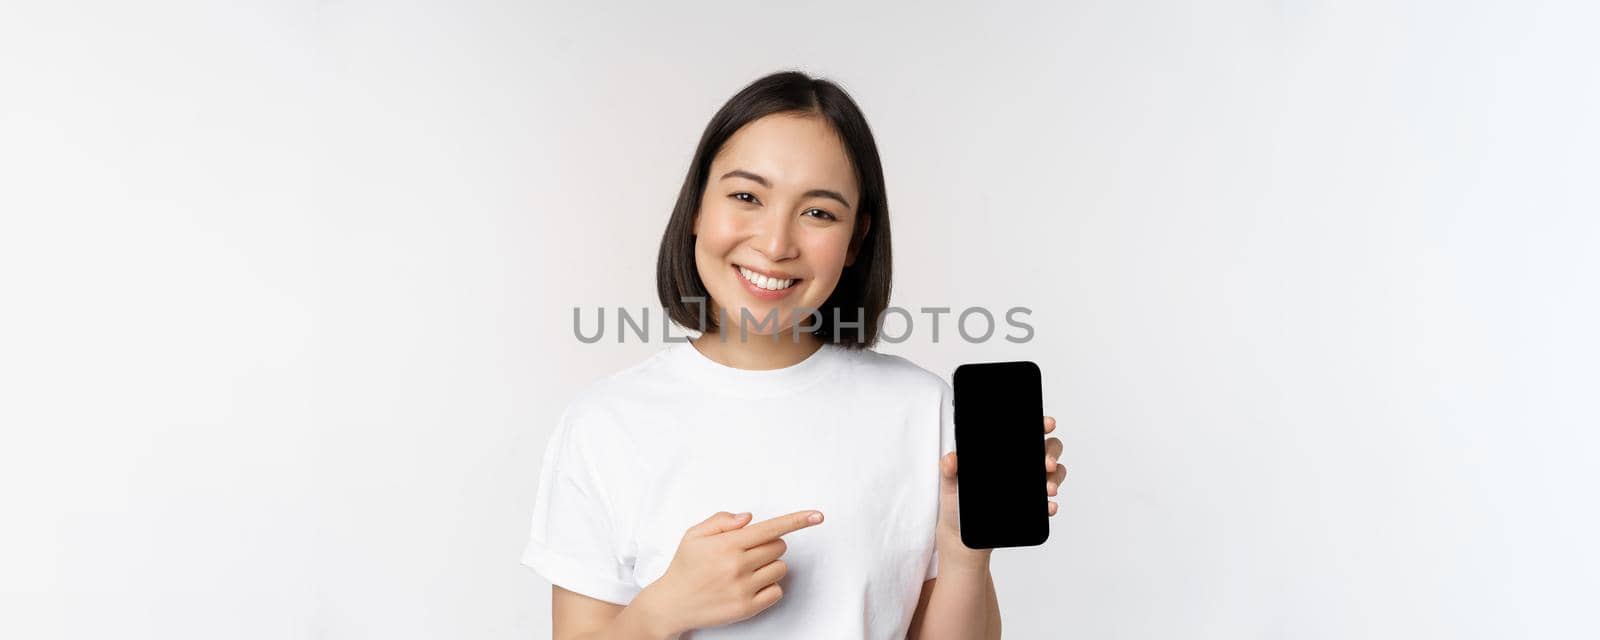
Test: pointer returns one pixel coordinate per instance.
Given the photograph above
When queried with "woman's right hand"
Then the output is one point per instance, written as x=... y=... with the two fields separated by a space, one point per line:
x=723 y=571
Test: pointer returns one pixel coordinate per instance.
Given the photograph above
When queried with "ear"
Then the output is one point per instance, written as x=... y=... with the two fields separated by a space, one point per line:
x=855 y=243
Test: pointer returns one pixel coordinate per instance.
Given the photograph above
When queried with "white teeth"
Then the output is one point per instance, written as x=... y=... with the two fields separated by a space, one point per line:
x=770 y=284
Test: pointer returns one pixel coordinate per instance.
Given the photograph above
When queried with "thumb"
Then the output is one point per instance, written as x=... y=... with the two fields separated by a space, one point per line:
x=947 y=473
x=721 y=521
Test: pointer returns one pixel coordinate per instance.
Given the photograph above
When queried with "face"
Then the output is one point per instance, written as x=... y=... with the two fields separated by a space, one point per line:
x=774 y=227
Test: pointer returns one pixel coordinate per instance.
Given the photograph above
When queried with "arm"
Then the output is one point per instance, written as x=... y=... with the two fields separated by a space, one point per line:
x=960 y=604
x=575 y=616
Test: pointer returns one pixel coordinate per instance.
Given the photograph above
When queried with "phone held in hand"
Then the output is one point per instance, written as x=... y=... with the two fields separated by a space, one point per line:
x=1000 y=475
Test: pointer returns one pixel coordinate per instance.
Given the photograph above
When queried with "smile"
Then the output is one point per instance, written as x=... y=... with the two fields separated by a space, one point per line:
x=765 y=286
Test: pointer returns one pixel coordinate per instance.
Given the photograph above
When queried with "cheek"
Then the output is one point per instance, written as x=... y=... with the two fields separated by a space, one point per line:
x=827 y=256
x=716 y=233
x=709 y=260
x=717 y=229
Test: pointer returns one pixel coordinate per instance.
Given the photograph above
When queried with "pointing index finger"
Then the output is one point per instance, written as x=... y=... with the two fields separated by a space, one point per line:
x=769 y=530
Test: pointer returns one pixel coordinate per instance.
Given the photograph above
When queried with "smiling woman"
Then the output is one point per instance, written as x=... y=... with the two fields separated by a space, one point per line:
x=785 y=185
x=685 y=495
x=739 y=238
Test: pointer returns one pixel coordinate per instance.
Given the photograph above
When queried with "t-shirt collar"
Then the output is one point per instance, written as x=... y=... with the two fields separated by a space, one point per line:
x=755 y=382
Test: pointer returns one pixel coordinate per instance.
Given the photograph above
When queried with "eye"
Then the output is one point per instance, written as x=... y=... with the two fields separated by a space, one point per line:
x=825 y=215
x=752 y=199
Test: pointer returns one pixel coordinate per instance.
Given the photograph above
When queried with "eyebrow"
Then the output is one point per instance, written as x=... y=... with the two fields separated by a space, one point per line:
x=819 y=193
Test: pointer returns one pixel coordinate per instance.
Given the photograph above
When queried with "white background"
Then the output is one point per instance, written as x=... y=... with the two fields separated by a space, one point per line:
x=287 y=297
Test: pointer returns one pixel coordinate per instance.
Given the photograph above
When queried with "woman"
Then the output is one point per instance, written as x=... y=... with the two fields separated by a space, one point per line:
x=685 y=496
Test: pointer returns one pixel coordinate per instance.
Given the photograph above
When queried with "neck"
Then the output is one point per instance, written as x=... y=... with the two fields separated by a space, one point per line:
x=758 y=352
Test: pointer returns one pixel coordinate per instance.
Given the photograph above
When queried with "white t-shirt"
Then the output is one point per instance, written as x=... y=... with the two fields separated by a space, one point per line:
x=645 y=453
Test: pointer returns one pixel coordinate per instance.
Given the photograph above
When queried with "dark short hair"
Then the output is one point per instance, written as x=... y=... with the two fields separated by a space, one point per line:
x=863 y=285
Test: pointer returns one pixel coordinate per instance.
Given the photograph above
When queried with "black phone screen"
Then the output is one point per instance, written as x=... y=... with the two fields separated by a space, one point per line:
x=1000 y=476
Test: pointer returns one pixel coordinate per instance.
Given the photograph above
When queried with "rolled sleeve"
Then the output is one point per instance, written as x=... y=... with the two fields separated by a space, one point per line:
x=575 y=542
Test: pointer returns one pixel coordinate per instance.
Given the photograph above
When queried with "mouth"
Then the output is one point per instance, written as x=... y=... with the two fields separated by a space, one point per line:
x=763 y=285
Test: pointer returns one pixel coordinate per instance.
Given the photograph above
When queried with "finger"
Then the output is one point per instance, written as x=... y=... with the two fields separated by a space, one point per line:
x=1052 y=447
x=1053 y=507
x=947 y=465
x=767 y=597
x=1049 y=424
x=764 y=553
x=765 y=530
x=720 y=522
x=769 y=573
x=1052 y=481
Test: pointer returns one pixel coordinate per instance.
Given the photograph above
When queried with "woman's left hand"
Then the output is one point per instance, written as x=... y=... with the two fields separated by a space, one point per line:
x=949 y=535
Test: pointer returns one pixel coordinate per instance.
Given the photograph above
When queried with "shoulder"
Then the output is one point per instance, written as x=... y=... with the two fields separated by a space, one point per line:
x=897 y=371
x=602 y=403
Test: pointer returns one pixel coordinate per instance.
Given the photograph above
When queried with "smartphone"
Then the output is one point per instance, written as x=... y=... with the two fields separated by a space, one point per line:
x=1000 y=476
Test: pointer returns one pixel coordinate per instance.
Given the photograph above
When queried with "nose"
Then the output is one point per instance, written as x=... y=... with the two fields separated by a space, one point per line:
x=774 y=239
